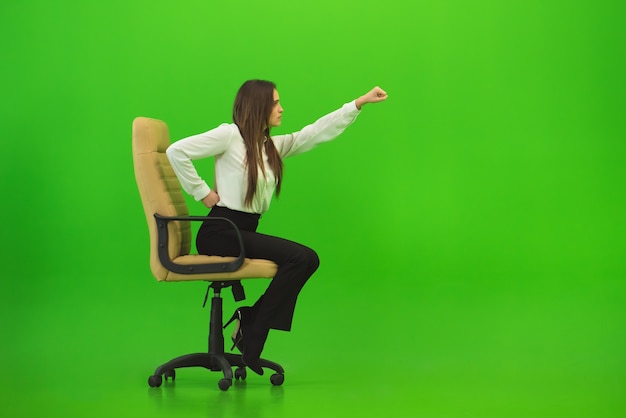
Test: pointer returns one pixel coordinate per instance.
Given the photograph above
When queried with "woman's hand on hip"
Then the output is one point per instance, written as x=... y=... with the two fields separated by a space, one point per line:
x=211 y=199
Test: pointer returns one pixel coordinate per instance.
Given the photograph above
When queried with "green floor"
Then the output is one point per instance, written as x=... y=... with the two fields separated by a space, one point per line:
x=460 y=348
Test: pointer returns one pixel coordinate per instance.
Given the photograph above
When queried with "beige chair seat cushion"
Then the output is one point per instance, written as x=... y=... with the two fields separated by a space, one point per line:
x=251 y=268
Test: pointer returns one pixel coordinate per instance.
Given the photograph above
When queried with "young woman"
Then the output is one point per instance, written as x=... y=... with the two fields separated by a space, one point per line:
x=248 y=171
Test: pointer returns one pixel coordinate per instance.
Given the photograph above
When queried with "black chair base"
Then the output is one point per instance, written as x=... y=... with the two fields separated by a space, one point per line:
x=216 y=359
x=214 y=362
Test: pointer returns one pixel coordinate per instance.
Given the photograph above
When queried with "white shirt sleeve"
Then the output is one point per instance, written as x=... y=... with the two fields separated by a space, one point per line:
x=324 y=129
x=182 y=152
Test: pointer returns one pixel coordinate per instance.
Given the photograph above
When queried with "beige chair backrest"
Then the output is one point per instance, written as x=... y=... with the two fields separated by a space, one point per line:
x=159 y=189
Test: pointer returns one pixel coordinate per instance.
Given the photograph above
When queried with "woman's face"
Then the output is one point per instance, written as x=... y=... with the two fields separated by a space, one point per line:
x=277 y=112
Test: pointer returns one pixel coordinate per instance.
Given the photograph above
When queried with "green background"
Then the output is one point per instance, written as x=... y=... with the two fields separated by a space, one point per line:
x=471 y=228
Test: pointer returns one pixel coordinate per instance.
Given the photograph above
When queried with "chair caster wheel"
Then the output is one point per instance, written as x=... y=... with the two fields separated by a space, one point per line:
x=240 y=373
x=277 y=379
x=155 y=381
x=170 y=374
x=224 y=384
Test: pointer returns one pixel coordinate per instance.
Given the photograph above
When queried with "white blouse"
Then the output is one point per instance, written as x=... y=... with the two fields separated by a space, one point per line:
x=226 y=145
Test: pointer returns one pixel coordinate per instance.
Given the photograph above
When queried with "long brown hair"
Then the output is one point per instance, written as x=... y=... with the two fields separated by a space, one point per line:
x=251 y=113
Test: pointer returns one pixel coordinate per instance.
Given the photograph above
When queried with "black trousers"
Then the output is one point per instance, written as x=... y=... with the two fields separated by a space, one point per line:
x=296 y=262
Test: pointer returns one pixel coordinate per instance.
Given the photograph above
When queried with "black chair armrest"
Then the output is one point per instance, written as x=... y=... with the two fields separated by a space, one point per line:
x=164 y=257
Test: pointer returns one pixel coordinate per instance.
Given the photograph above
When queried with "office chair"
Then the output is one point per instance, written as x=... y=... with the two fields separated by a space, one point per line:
x=169 y=225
